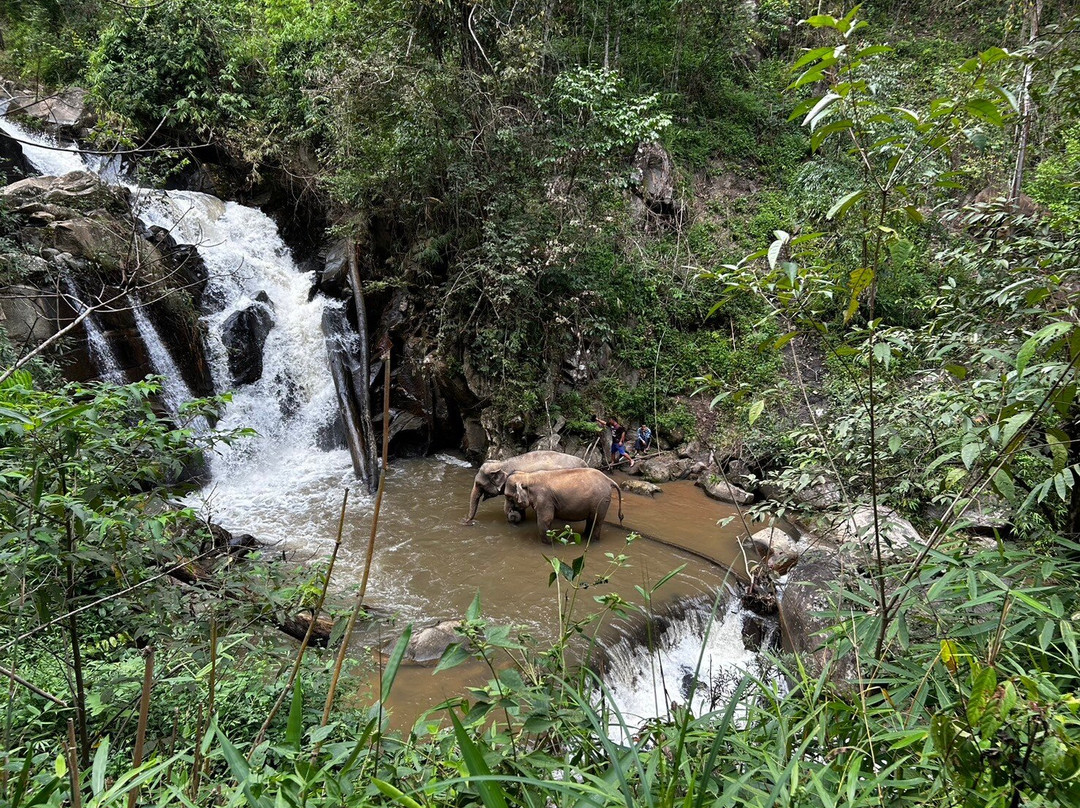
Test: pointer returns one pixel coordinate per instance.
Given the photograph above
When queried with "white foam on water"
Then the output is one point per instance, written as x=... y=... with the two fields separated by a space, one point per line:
x=643 y=685
x=44 y=152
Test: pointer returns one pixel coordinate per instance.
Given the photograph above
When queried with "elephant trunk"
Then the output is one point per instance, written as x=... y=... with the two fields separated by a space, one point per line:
x=474 y=501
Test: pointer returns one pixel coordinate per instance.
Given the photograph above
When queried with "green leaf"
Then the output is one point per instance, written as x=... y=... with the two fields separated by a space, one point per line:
x=395 y=793
x=970 y=453
x=238 y=767
x=1014 y=425
x=1058 y=442
x=895 y=443
x=859 y=281
x=755 y=410
x=819 y=109
x=395 y=662
x=97 y=771
x=490 y=792
x=1003 y=484
x=844 y=204
x=453 y=656
x=294 y=731
x=782 y=238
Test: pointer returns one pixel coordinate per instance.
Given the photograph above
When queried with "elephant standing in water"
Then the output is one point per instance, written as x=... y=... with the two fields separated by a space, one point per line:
x=491 y=478
x=565 y=494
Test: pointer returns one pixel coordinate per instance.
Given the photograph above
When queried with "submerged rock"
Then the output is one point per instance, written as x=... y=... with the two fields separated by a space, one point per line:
x=243 y=335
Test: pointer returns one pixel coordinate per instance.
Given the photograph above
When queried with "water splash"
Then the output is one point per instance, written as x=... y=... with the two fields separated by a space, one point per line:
x=174 y=391
x=45 y=153
x=293 y=405
x=696 y=660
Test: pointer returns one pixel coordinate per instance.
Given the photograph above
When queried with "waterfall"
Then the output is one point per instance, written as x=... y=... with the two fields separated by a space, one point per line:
x=101 y=352
x=44 y=152
x=684 y=666
x=293 y=405
x=174 y=390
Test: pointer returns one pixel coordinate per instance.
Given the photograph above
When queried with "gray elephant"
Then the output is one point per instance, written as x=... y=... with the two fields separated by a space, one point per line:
x=491 y=478
x=565 y=494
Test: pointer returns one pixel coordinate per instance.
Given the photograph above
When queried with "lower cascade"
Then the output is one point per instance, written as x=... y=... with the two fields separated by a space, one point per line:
x=687 y=654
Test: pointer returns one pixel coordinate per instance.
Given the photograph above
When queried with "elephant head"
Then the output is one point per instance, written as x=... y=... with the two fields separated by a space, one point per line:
x=517 y=492
x=489 y=482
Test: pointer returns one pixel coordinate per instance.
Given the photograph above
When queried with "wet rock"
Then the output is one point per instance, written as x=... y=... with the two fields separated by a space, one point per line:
x=642 y=487
x=854 y=533
x=189 y=269
x=13 y=163
x=474 y=442
x=809 y=610
x=333 y=278
x=243 y=335
x=724 y=491
x=427 y=645
x=776 y=549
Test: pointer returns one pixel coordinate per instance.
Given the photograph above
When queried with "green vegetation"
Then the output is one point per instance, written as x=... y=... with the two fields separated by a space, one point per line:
x=901 y=329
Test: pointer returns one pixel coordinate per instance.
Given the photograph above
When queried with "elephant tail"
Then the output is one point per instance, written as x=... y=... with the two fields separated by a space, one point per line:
x=619 y=492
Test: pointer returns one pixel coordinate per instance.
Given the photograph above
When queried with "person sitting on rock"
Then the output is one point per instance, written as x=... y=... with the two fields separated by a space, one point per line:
x=644 y=439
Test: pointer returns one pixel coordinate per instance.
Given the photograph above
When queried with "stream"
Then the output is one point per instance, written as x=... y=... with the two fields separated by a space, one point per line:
x=285 y=488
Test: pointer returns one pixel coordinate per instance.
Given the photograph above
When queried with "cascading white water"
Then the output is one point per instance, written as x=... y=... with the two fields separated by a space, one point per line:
x=642 y=685
x=174 y=391
x=294 y=400
x=280 y=467
x=44 y=153
x=101 y=351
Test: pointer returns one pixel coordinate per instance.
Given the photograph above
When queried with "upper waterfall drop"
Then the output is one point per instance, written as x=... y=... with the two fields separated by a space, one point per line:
x=292 y=405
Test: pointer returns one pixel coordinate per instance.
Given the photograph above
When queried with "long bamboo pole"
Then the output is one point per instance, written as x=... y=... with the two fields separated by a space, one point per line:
x=347 y=637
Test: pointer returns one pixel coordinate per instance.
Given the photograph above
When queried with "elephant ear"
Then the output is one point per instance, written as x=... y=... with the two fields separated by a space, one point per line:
x=498 y=478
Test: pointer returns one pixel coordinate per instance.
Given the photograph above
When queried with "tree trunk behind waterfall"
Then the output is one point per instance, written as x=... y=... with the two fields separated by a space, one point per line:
x=362 y=373
x=336 y=328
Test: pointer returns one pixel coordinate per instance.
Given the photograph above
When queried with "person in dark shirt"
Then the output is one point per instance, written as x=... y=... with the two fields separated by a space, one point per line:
x=618 y=441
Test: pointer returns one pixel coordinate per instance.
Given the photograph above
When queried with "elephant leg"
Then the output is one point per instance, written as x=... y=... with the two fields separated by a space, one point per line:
x=545 y=515
x=597 y=519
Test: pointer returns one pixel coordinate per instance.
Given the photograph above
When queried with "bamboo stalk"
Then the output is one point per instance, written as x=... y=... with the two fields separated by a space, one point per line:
x=144 y=713
x=196 y=763
x=340 y=660
x=311 y=629
x=73 y=766
x=15 y=678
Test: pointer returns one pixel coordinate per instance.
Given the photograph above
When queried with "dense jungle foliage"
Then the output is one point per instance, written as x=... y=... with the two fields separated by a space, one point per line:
x=868 y=265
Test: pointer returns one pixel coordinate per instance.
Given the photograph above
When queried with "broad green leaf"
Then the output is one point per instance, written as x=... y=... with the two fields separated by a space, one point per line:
x=1014 y=425
x=97 y=771
x=491 y=792
x=819 y=109
x=1004 y=485
x=396 y=794
x=969 y=453
x=843 y=205
x=755 y=410
x=294 y=731
x=1058 y=442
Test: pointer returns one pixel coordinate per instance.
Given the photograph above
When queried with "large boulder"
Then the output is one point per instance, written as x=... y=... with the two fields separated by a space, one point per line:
x=854 y=533
x=67 y=113
x=665 y=468
x=724 y=491
x=243 y=335
x=427 y=645
x=809 y=609
x=776 y=549
x=13 y=163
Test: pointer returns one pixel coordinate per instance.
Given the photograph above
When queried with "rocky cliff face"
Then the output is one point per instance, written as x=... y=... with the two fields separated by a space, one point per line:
x=73 y=243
